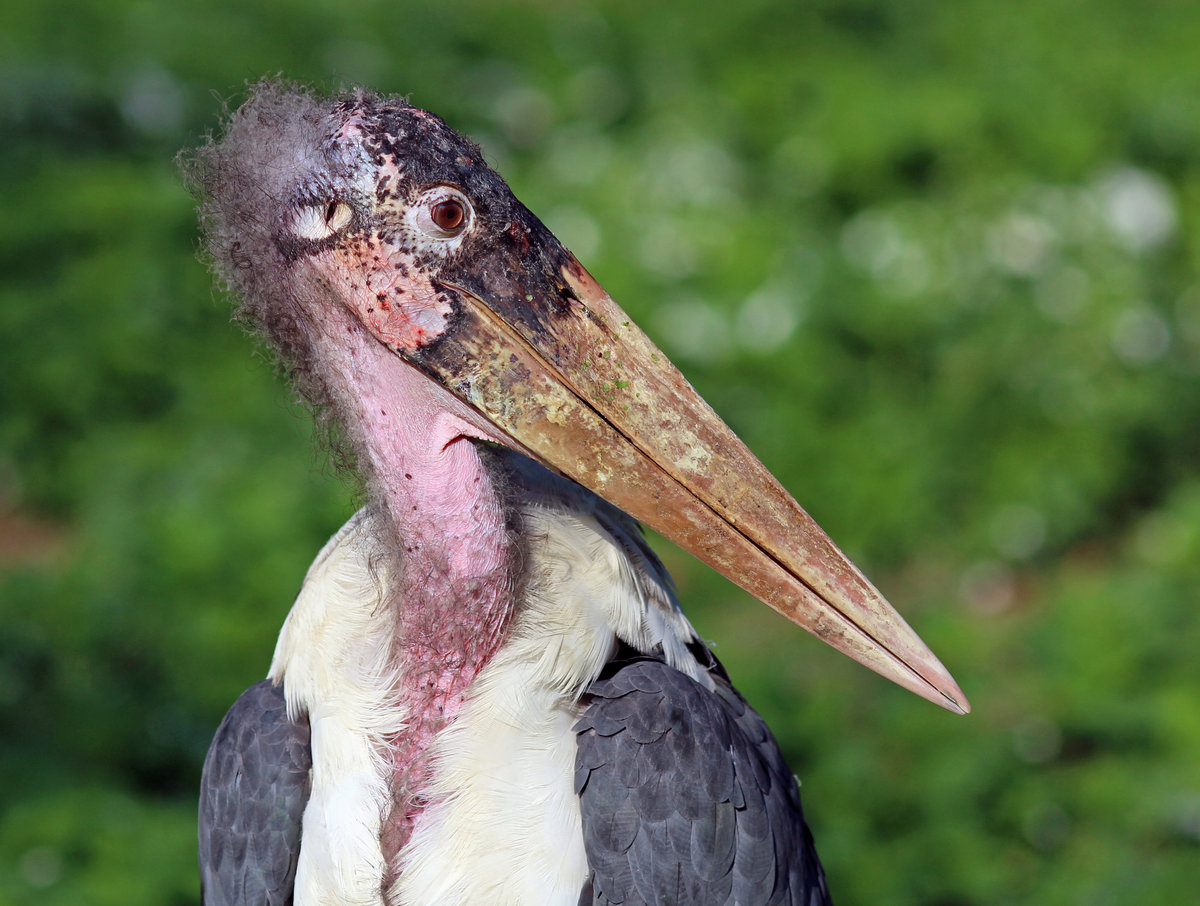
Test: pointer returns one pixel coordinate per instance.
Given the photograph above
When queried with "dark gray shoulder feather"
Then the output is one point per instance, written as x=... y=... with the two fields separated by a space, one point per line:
x=256 y=782
x=685 y=797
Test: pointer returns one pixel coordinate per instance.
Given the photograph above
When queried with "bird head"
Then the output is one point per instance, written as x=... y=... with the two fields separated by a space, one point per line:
x=363 y=212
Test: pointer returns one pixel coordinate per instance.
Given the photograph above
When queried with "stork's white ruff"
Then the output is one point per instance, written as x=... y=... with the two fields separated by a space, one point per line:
x=502 y=824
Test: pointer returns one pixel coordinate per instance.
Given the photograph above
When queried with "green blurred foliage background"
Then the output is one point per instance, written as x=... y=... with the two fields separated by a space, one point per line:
x=937 y=263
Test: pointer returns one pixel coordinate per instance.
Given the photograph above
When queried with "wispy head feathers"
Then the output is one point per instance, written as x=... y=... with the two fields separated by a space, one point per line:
x=244 y=181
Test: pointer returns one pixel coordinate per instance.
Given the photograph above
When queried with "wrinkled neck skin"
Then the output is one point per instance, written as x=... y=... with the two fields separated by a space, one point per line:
x=418 y=446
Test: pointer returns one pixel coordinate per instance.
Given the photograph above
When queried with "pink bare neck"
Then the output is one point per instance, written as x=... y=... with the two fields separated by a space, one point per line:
x=455 y=597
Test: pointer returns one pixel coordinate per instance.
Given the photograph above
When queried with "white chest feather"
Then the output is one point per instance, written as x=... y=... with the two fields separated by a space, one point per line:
x=503 y=823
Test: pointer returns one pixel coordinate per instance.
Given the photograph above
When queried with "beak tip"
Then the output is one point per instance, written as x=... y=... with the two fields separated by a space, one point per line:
x=951 y=697
x=959 y=706
x=925 y=675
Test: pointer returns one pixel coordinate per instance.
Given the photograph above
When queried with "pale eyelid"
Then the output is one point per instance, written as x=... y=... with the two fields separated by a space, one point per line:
x=320 y=221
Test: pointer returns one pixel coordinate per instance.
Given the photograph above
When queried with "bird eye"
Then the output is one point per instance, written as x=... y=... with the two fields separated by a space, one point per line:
x=443 y=213
x=448 y=215
x=321 y=221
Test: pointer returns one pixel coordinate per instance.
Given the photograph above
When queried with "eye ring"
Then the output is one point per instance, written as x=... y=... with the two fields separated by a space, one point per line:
x=444 y=213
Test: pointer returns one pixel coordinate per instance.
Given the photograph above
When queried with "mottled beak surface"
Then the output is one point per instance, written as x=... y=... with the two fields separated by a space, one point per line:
x=584 y=390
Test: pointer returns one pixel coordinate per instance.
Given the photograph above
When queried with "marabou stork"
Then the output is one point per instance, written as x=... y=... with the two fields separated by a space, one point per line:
x=486 y=691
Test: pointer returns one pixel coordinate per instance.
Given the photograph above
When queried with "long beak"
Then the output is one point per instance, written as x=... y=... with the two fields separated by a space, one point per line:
x=586 y=392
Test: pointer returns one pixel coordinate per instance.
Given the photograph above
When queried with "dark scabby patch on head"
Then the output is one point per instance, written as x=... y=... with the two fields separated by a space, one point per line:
x=517 y=272
x=430 y=152
x=509 y=259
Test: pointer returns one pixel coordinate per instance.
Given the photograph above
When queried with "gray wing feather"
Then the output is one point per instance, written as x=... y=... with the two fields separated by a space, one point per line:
x=255 y=785
x=685 y=797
